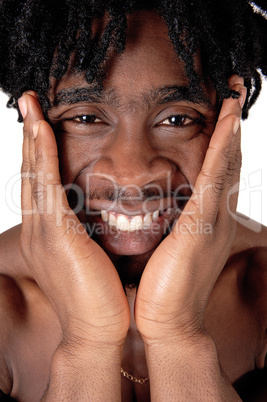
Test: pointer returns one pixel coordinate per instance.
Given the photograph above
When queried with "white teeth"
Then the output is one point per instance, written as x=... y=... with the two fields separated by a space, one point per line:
x=123 y=223
x=127 y=223
x=148 y=219
x=136 y=223
x=112 y=220
x=104 y=216
x=155 y=215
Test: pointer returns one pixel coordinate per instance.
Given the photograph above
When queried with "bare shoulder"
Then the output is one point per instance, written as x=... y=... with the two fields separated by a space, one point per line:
x=13 y=280
x=12 y=303
x=29 y=335
x=250 y=233
x=248 y=266
x=250 y=249
x=257 y=272
x=252 y=245
x=29 y=329
x=12 y=311
x=11 y=260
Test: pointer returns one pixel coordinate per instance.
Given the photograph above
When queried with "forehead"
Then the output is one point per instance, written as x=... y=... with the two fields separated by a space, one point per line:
x=148 y=62
x=149 y=54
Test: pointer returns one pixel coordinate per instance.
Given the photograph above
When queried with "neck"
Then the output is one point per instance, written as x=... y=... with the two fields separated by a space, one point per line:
x=133 y=359
x=13 y=263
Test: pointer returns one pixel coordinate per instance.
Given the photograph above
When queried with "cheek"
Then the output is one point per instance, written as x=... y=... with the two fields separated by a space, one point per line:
x=191 y=157
x=74 y=156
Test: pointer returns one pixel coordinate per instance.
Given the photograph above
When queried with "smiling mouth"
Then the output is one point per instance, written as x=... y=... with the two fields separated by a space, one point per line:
x=127 y=223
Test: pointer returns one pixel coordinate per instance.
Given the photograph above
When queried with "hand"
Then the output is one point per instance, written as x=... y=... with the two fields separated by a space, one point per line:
x=72 y=270
x=179 y=277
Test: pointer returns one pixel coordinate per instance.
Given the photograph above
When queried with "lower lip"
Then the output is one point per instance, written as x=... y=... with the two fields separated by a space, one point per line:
x=137 y=242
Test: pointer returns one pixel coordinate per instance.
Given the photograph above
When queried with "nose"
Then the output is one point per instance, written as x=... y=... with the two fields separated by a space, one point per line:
x=131 y=158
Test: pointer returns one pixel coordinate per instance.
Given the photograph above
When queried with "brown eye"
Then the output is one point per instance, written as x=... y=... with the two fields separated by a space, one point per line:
x=87 y=119
x=178 y=120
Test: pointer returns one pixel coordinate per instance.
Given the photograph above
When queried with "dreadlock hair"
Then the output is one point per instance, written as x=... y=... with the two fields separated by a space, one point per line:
x=39 y=37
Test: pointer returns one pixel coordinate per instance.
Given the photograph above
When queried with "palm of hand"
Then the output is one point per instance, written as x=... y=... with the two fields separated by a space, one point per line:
x=180 y=275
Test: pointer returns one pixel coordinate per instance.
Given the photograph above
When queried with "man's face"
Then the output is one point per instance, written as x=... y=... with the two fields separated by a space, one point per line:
x=136 y=148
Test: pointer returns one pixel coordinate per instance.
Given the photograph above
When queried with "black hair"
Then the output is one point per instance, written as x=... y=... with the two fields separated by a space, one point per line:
x=38 y=38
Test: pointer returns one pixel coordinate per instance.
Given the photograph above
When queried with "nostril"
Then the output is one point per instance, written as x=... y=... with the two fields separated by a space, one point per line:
x=133 y=168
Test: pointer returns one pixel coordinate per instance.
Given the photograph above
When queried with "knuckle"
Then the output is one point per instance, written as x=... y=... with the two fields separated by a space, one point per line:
x=238 y=160
x=25 y=167
x=26 y=131
x=234 y=165
x=231 y=169
x=39 y=157
x=24 y=179
x=218 y=183
x=38 y=191
x=224 y=154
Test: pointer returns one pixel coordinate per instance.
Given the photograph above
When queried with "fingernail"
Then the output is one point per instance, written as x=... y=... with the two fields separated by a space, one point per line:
x=242 y=97
x=32 y=93
x=235 y=79
x=236 y=126
x=23 y=107
x=35 y=129
x=239 y=80
x=241 y=101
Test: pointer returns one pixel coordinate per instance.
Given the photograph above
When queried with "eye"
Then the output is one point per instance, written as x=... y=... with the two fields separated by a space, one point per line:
x=86 y=119
x=181 y=120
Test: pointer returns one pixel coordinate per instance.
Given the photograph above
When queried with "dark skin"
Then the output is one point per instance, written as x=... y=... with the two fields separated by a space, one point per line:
x=58 y=284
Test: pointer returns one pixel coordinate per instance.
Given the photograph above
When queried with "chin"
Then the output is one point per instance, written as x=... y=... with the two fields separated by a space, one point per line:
x=130 y=267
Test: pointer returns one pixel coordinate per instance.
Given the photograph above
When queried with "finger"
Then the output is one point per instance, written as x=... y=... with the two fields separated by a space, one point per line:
x=232 y=187
x=47 y=190
x=48 y=194
x=26 y=198
x=211 y=181
x=236 y=83
x=35 y=182
x=213 y=176
x=232 y=108
x=235 y=79
x=235 y=157
x=238 y=158
x=30 y=95
x=234 y=162
x=31 y=112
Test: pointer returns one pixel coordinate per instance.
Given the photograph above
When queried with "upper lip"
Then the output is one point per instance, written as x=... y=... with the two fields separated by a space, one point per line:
x=130 y=209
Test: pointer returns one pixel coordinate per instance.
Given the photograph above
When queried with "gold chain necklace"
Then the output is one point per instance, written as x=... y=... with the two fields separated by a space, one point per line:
x=132 y=378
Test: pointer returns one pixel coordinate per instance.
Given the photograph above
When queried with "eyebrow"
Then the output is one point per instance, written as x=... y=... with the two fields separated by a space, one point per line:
x=178 y=93
x=150 y=98
x=74 y=95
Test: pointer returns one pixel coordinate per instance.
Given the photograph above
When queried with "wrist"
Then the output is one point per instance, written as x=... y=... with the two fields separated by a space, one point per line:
x=86 y=354
x=183 y=336
x=81 y=371
x=84 y=346
x=78 y=332
x=176 y=358
x=182 y=347
x=187 y=368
